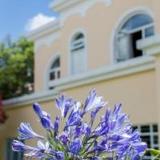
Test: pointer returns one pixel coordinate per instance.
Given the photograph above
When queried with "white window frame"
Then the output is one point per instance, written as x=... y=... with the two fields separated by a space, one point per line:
x=142 y=28
x=123 y=19
x=79 y=43
x=151 y=134
x=56 y=71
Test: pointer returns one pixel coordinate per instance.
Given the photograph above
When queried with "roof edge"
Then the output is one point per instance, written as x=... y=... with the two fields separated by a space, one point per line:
x=61 y=5
x=48 y=28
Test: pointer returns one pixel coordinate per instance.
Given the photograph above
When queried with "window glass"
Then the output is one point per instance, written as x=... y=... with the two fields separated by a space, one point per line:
x=149 y=31
x=155 y=128
x=145 y=128
x=137 y=21
x=10 y=154
x=54 y=72
x=56 y=63
x=149 y=134
x=136 y=28
x=78 y=54
x=155 y=139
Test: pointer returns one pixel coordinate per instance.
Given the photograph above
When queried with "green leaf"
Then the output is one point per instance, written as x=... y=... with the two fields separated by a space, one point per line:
x=154 y=152
x=17 y=60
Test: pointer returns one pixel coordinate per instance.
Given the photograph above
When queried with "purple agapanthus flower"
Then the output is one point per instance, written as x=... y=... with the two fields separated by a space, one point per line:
x=59 y=155
x=79 y=134
x=93 y=101
x=64 y=138
x=64 y=104
x=25 y=132
x=74 y=119
x=18 y=146
x=42 y=150
x=44 y=117
x=75 y=146
x=33 y=152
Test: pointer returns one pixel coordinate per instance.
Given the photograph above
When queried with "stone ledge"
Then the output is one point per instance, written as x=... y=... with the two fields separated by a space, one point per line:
x=129 y=67
x=150 y=46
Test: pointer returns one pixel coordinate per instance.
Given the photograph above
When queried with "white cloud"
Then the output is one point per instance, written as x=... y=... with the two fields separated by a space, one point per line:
x=38 y=21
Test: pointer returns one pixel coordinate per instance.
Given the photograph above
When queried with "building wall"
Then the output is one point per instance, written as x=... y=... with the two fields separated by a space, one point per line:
x=99 y=24
x=136 y=92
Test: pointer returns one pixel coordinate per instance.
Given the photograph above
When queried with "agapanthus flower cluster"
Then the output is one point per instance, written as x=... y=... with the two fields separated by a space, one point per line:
x=107 y=137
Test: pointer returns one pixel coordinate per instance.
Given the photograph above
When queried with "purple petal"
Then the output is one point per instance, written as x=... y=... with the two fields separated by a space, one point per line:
x=75 y=146
x=25 y=132
x=37 y=109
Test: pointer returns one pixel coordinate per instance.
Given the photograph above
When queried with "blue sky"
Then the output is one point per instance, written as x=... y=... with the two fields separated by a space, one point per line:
x=17 y=16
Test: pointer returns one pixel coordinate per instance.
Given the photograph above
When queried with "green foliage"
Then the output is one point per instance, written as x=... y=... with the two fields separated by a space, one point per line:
x=155 y=153
x=16 y=68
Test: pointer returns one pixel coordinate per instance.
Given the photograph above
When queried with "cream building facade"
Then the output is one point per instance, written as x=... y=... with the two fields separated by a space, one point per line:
x=108 y=45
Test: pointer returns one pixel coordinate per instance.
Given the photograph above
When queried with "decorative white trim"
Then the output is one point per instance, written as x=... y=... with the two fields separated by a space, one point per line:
x=30 y=99
x=46 y=73
x=129 y=67
x=63 y=5
x=109 y=72
x=47 y=40
x=69 y=8
x=76 y=31
x=54 y=26
x=150 y=46
x=46 y=29
x=122 y=19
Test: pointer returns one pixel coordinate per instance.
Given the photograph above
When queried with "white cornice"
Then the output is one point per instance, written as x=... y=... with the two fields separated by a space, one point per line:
x=47 y=29
x=30 y=99
x=63 y=5
x=109 y=72
x=67 y=8
x=46 y=40
x=150 y=46
x=129 y=67
x=60 y=5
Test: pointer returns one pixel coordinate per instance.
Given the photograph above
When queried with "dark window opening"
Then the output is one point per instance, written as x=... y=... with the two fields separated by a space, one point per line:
x=51 y=88
x=55 y=72
x=145 y=128
x=10 y=154
x=147 y=140
x=58 y=74
x=155 y=139
x=52 y=76
x=56 y=63
x=149 y=134
x=78 y=36
x=155 y=128
x=139 y=26
x=135 y=37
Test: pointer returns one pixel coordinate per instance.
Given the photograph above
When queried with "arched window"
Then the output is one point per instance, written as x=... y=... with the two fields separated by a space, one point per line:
x=139 y=26
x=54 y=71
x=78 y=61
